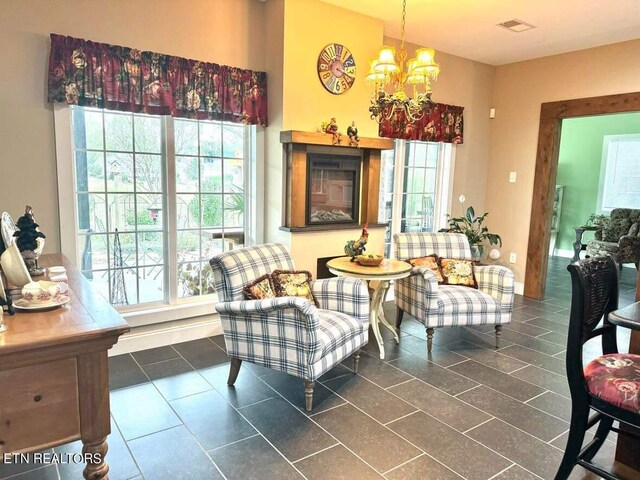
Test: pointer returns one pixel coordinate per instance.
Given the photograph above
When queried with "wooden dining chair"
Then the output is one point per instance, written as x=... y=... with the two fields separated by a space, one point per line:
x=610 y=384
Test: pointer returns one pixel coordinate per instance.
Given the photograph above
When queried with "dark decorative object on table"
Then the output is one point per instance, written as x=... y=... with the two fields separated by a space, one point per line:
x=118 y=295
x=332 y=129
x=30 y=241
x=474 y=229
x=353 y=248
x=352 y=132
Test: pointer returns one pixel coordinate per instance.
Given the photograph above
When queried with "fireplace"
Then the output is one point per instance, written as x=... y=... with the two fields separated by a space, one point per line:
x=333 y=188
x=327 y=185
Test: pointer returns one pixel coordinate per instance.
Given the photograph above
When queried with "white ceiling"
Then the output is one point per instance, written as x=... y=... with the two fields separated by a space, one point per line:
x=467 y=28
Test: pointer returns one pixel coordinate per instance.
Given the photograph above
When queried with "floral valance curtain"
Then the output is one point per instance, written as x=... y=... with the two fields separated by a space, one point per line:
x=441 y=123
x=94 y=74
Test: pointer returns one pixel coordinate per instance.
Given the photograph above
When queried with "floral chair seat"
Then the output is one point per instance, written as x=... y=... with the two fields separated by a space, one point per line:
x=615 y=378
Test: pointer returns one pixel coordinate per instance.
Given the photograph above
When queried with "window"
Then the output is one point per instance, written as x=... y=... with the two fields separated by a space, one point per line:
x=155 y=198
x=415 y=187
x=619 y=173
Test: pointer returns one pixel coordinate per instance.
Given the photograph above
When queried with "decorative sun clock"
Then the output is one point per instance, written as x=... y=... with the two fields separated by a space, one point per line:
x=336 y=68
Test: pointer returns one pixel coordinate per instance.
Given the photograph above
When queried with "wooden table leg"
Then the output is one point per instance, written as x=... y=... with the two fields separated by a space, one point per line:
x=95 y=425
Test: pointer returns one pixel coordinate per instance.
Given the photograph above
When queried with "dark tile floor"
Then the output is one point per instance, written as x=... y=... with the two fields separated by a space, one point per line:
x=467 y=411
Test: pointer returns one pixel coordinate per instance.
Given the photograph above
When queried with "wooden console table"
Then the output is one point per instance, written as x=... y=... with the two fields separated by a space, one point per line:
x=54 y=375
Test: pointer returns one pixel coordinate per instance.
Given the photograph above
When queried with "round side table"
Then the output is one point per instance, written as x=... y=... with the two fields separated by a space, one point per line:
x=385 y=272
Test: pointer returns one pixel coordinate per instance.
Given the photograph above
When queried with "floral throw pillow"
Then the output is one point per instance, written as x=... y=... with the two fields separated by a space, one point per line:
x=430 y=261
x=458 y=272
x=260 y=288
x=293 y=283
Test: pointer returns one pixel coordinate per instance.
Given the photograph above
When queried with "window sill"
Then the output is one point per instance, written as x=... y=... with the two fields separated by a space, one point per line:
x=167 y=313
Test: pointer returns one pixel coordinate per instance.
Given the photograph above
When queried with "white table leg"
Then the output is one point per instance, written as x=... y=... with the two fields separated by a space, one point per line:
x=376 y=300
x=384 y=286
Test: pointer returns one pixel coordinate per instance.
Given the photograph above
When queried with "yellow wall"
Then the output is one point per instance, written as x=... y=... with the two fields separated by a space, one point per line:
x=223 y=31
x=309 y=26
x=519 y=90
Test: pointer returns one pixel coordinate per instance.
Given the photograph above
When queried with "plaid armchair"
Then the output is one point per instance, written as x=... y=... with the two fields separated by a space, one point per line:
x=619 y=239
x=450 y=305
x=289 y=334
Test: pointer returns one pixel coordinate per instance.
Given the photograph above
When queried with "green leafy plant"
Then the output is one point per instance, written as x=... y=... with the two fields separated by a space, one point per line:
x=597 y=220
x=473 y=227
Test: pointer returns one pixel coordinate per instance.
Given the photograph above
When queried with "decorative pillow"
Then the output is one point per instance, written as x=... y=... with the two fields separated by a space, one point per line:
x=260 y=288
x=430 y=261
x=293 y=283
x=458 y=272
x=633 y=231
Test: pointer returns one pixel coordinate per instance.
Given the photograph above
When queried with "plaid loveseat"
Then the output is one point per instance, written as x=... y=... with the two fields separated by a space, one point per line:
x=289 y=334
x=451 y=305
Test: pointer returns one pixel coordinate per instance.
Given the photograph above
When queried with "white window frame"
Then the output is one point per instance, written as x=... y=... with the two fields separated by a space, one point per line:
x=444 y=186
x=175 y=308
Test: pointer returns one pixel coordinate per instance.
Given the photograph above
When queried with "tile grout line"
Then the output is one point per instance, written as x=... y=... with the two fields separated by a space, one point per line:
x=404 y=463
x=257 y=434
x=465 y=391
x=403 y=416
x=480 y=424
x=502 y=471
x=319 y=451
x=533 y=398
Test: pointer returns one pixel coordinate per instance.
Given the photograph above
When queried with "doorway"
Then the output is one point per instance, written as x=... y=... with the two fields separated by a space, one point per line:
x=551 y=116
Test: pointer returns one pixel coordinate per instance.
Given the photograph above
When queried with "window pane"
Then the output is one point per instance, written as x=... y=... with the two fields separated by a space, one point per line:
x=120 y=172
x=188 y=246
x=233 y=175
x=150 y=248
x=188 y=210
x=118 y=130
x=87 y=129
x=234 y=210
x=147 y=133
x=211 y=210
x=233 y=137
x=187 y=174
x=188 y=279
x=94 y=252
x=186 y=137
x=210 y=139
x=93 y=214
x=148 y=173
x=150 y=212
x=151 y=281
x=121 y=212
x=93 y=178
x=211 y=172
x=127 y=251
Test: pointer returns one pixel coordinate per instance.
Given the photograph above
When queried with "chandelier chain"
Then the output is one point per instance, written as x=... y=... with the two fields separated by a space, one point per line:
x=404 y=15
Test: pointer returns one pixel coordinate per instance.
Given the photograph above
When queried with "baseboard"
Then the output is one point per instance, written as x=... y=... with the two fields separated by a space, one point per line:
x=563 y=253
x=167 y=333
x=518 y=288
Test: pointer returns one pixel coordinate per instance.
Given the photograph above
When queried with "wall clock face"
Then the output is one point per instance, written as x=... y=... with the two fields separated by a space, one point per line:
x=336 y=68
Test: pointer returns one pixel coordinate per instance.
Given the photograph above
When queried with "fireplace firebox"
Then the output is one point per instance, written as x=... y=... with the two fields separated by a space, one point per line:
x=333 y=188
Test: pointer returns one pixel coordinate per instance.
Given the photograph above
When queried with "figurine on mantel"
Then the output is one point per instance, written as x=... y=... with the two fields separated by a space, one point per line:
x=30 y=241
x=332 y=129
x=352 y=132
x=353 y=248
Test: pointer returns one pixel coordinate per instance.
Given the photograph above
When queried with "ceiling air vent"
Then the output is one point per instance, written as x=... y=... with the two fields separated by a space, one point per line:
x=516 y=25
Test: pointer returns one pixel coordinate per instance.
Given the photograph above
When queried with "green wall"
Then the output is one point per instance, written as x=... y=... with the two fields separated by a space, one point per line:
x=579 y=167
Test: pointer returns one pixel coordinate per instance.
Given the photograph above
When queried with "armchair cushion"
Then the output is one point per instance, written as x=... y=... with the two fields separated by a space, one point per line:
x=472 y=304
x=293 y=283
x=458 y=272
x=260 y=288
x=431 y=262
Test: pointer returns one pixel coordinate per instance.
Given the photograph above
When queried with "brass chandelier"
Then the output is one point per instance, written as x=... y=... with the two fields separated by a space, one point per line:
x=389 y=68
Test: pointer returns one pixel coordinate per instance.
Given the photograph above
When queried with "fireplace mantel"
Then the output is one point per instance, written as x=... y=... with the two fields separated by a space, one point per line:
x=297 y=145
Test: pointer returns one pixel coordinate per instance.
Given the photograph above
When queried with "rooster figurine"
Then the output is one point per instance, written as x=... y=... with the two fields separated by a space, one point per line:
x=353 y=248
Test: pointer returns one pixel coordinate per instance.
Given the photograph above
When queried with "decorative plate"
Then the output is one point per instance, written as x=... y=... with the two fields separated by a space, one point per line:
x=8 y=227
x=22 y=304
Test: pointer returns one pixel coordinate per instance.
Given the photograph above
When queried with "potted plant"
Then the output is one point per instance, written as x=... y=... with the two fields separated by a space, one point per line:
x=475 y=230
